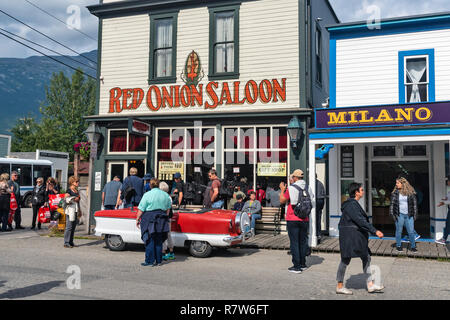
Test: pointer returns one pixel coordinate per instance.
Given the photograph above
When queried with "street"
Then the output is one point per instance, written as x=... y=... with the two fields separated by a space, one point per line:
x=38 y=267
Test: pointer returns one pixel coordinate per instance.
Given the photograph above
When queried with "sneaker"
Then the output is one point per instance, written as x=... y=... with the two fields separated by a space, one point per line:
x=405 y=239
x=414 y=250
x=295 y=270
x=166 y=256
x=399 y=249
x=303 y=268
x=343 y=290
x=145 y=264
x=417 y=236
x=440 y=241
x=171 y=256
x=375 y=288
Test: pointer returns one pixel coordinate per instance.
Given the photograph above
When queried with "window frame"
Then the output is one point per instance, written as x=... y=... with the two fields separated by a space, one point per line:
x=319 y=55
x=212 y=74
x=402 y=59
x=128 y=144
x=152 y=79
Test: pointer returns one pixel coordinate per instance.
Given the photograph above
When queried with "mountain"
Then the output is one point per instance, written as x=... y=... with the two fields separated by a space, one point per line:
x=23 y=83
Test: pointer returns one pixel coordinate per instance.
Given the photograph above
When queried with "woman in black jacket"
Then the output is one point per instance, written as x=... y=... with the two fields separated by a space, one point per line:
x=37 y=200
x=404 y=211
x=354 y=229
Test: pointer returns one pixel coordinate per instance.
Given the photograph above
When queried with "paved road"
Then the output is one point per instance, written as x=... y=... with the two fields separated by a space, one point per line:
x=34 y=267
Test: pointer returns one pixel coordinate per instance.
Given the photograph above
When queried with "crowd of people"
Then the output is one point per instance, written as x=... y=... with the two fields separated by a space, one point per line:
x=155 y=200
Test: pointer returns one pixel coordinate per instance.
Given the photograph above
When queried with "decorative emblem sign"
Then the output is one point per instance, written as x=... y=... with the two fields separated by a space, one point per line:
x=193 y=72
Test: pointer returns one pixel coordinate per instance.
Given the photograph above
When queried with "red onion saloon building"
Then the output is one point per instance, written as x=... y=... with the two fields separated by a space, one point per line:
x=186 y=86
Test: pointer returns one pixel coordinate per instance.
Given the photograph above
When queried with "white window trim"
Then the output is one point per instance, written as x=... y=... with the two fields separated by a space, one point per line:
x=427 y=58
x=255 y=147
x=128 y=138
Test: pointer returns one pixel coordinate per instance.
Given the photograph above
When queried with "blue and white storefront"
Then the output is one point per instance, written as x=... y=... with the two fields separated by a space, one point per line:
x=388 y=116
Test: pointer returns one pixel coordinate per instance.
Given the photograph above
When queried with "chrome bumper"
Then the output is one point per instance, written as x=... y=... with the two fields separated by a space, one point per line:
x=241 y=238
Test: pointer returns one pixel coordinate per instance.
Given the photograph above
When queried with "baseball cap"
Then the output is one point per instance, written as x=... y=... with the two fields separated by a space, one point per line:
x=147 y=176
x=177 y=175
x=297 y=173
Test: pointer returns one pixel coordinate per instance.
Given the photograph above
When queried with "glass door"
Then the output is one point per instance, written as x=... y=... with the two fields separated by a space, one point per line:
x=117 y=169
x=384 y=174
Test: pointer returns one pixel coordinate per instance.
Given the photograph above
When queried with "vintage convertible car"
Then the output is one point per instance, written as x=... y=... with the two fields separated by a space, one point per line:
x=197 y=229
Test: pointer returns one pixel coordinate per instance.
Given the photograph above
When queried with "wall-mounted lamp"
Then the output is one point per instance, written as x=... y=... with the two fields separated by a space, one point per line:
x=295 y=131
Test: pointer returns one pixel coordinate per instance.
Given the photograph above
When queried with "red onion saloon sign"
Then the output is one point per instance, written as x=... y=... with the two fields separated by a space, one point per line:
x=208 y=96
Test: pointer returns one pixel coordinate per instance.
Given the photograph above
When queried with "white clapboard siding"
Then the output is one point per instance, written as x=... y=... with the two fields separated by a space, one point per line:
x=367 y=68
x=268 y=50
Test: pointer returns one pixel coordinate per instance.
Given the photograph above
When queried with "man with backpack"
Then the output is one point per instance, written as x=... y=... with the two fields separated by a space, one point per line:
x=298 y=199
x=132 y=190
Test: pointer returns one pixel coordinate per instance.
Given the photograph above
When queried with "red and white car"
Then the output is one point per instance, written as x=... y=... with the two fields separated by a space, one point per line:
x=197 y=229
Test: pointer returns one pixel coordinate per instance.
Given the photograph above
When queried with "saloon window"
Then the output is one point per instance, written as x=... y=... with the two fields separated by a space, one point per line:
x=120 y=141
x=163 y=42
x=224 y=43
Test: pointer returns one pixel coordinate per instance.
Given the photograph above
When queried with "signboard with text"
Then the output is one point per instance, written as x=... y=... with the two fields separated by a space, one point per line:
x=166 y=169
x=271 y=169
x=382 y=116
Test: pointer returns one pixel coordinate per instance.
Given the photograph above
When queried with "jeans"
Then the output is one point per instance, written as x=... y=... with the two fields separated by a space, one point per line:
x=69 y=232
x=153 y=249
x=447 y=225
x=408 y=222
x=255 y=216
x=217 y=204
x=298 y=237
x=344 y=264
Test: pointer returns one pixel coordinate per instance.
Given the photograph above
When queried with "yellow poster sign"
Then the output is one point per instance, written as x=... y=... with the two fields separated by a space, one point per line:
x=271 y=169
x=166 y=169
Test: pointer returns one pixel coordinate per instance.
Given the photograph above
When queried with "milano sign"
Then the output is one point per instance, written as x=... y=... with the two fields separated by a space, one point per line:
x=382 y=116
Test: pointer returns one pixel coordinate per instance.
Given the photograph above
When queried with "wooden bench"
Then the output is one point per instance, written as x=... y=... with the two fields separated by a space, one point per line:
x=271 y=222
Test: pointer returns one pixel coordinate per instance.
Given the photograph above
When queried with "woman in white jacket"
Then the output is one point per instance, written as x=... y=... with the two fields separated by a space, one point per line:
x=72 y=211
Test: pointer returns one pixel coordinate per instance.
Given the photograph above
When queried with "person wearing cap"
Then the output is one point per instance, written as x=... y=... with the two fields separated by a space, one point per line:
x=178 y=189
x=297 y=228
x=147 y=178
x=445 y=201
x=110 y=193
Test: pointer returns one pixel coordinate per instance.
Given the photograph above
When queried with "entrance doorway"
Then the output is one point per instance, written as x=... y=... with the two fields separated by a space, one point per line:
x=122 y=168
x=384 y=175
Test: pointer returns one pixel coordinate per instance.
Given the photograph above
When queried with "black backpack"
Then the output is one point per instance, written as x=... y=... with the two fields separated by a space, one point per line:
x=129 y=193
x=304 y=205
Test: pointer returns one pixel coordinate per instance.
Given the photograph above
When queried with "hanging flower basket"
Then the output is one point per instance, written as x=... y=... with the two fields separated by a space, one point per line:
x=84 y=149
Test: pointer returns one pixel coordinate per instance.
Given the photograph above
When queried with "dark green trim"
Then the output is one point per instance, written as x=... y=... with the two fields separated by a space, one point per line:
x=212 y=75
x=151 y=76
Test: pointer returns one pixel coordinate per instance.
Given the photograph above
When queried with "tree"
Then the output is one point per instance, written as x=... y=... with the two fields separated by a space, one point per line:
x=24 y=135
x=67 y=102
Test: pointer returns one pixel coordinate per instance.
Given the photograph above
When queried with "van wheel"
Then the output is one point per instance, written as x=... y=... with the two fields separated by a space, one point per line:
x=200 y=249
x=27 y=201
x=114 y=242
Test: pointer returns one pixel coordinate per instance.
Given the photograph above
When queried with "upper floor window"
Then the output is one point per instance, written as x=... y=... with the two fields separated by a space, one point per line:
x=163 y=46
x=224 y=43
x=318 y=55
x=416 y=76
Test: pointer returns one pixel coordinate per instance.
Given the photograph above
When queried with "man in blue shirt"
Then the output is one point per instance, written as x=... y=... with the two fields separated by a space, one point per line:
x=110 y=193
x=132 y=189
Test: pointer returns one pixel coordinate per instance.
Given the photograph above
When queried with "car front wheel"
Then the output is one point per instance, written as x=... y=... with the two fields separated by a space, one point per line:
x=200 y=249
x=114 y=242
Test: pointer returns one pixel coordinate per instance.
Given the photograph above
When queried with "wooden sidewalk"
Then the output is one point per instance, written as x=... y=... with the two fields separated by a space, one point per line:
x=429 y=250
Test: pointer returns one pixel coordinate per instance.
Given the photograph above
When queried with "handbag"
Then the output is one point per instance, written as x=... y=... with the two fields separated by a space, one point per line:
x=13 y=203
x=44 y=215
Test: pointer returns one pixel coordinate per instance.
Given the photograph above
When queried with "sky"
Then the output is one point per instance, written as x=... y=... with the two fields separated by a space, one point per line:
x=74 y=13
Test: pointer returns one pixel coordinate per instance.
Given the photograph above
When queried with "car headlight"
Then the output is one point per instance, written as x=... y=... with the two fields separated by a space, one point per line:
x=245 y=223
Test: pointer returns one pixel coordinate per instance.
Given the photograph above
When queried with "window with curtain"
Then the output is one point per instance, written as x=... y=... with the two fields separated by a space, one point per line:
x=224 y=44
x=162 y=54
x=416 y=79
x=122 y=141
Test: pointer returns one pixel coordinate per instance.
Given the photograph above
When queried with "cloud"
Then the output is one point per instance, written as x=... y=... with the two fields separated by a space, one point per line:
x=73 y=12
x=357 y=10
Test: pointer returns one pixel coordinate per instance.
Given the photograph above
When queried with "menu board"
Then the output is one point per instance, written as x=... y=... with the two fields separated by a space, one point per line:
x=166 y=169
x=347 y=162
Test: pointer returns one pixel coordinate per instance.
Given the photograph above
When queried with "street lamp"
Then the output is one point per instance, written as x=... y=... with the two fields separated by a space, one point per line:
x=295 y=131
x=93 y=134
